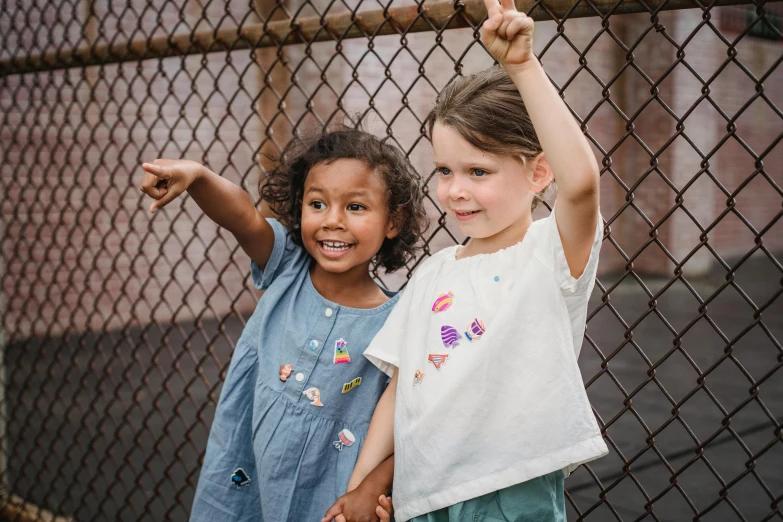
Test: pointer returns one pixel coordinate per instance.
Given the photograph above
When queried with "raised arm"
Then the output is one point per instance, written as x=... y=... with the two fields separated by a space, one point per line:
x=508 y=35
x=223 y=202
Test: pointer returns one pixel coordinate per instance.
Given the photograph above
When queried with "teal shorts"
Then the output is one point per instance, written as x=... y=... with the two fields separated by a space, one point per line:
x=538 y=500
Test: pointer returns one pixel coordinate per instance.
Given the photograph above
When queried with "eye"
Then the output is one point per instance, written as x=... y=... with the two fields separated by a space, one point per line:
x=479 y=173
x=443 y=171
x=356 y=207
x=318 y=205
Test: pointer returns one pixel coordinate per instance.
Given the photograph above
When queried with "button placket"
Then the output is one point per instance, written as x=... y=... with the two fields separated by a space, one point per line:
x=309 y=354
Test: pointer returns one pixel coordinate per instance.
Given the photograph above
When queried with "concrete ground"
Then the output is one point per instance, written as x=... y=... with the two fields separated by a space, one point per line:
x=110 y=427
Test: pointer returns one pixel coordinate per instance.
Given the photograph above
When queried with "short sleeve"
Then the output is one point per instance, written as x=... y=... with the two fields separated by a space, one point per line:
x=551 y=249
x=384 y=349
x=283 y=253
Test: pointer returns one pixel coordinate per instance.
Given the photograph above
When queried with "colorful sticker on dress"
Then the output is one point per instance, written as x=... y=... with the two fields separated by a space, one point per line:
x=285 y=371
x=475 y=330
x=346 y=439
x=348 y=386
x=418 y=377
x=313 y=394
x=240 y=478
x=341 y=355
x=443 y=302
x=438 y=359
x=450 y=336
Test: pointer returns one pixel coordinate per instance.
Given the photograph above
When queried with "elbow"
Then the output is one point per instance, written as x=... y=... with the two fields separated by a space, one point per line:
x=585 y=188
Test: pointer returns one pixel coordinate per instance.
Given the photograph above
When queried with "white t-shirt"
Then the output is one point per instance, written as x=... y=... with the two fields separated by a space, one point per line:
x=489 y=393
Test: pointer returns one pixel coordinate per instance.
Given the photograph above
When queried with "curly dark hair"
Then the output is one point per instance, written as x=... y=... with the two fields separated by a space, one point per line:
x=283 y=187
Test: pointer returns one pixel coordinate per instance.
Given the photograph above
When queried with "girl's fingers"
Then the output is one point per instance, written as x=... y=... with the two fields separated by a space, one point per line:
x=160 y=171
x=149 y=185
x=508 y=4
x=382 y=514
x=517 y=26
x=167 y=196
x=504 y=23
x=490 y=27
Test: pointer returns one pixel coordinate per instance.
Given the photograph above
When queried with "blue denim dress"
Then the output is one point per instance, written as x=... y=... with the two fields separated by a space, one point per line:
x=284 y=450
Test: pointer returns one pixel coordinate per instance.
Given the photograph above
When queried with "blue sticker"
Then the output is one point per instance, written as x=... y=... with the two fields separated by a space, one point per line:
x=313 y=345
x=497 y=278
x=240 y=478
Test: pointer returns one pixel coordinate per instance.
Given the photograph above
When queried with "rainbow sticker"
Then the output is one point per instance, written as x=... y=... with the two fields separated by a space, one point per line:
x=341 y=355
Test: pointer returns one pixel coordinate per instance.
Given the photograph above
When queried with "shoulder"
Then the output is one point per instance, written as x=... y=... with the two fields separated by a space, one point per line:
x=433 y=263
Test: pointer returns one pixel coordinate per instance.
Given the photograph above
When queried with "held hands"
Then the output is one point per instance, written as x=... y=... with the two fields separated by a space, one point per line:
x=508 y=35
x=165 y=179
x=359 y=505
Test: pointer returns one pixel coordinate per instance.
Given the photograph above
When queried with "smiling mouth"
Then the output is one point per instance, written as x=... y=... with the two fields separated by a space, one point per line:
x=334 y=246
x=468 y=213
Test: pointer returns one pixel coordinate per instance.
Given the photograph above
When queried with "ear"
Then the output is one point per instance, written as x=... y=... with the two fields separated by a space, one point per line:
x=391 y=227
x=540 y=173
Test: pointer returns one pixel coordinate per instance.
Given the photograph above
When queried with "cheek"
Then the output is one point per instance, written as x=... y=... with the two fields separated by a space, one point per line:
x=442 y=193
x=308 y=222
x=371 y=229
x=501 y=196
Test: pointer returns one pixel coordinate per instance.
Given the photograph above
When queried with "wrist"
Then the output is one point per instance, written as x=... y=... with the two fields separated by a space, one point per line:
x=520 y=69
x=378 y=483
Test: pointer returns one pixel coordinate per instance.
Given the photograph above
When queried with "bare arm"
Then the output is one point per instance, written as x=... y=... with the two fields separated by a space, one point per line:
x=572 y=161
x=223 y=202
x=508 y=35
x=379 y=444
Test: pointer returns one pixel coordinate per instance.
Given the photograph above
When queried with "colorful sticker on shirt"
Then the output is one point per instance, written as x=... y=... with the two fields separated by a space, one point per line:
x=438 y=359
x=240 y=478
x=418 y=377
x=314 y=345
x=346 y=439
x=443 y=302
x=285 y=371
x=348 y=386
x=475 y=330
x=450 y=336
x=313 y=394
x=341 y=355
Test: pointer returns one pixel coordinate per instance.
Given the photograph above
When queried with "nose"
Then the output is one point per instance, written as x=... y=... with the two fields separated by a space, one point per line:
x=456 y=189
x=334 y=219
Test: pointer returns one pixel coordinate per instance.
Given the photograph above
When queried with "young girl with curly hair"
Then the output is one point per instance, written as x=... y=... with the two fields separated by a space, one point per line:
x=298 y=396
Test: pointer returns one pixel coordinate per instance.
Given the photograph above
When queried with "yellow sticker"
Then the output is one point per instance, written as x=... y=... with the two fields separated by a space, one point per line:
x=348 y=386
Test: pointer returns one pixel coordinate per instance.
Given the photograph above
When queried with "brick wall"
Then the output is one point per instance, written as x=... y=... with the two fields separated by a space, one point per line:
x=80 y=249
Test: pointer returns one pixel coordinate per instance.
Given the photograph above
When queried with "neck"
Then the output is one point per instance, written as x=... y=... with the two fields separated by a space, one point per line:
x=507 y=237
x=353 y=288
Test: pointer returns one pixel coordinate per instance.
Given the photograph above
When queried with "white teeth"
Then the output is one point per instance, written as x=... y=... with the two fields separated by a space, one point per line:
x=335 y=246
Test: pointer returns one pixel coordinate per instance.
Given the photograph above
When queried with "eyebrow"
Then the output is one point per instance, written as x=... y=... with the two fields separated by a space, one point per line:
x=351 y=194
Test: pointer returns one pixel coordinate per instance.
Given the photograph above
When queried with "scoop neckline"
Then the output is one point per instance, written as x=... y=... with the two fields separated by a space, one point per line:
x=393 y=297
x=453 y=255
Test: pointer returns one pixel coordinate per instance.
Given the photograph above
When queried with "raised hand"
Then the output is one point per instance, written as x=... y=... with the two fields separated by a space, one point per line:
x=508 y=34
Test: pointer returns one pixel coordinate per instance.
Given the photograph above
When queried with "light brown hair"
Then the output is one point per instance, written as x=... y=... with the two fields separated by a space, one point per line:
x=487 y=110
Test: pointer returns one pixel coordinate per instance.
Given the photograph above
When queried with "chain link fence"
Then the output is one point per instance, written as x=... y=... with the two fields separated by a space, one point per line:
x=117 y=326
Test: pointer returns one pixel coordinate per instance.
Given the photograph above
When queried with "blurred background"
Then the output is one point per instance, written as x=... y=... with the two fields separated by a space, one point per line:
x=118 y=326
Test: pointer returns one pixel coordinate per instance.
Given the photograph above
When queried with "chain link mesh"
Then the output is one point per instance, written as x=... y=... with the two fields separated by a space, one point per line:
x=117 y=326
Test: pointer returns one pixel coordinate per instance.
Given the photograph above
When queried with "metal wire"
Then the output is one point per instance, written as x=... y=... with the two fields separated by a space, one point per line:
x=117 y=327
